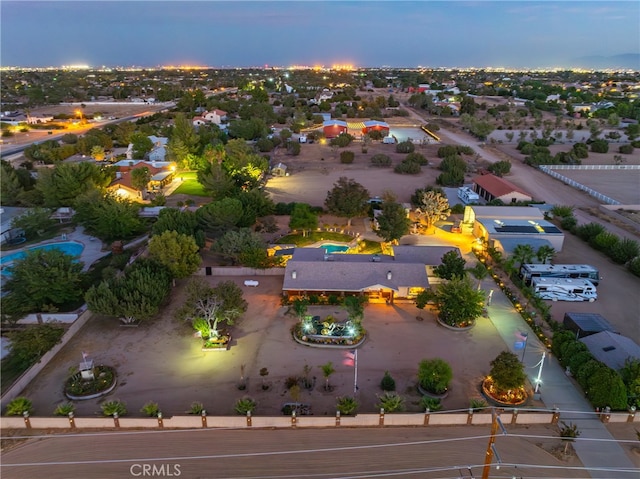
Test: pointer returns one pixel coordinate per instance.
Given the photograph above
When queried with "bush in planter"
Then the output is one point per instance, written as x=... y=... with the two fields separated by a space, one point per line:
x=388 y=383
x=432 y=404
x=245 y=405
x=347 y=405
x=507 y=372
x=150 y=409
x=110 y=408
x=391 y=402
x=434 y=375
x=19 y=406
x=64 y=409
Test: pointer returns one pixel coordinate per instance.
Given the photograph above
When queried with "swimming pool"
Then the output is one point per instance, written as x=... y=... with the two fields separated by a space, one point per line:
x=335 y=248
x=71 y=248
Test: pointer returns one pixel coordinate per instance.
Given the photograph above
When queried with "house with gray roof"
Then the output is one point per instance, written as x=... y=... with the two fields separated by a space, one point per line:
x=612 y=349
x=378 y=277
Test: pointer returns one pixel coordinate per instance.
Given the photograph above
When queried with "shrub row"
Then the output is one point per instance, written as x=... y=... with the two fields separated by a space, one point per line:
x=602 y=385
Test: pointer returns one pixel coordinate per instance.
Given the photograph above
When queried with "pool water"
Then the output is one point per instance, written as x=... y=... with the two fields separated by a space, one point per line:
x=69 y=247
x=335 y=248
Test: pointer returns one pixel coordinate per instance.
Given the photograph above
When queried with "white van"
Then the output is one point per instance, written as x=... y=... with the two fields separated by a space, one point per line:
x=389 y=140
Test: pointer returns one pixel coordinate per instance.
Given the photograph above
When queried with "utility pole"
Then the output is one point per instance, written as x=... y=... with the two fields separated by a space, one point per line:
x=488 y=459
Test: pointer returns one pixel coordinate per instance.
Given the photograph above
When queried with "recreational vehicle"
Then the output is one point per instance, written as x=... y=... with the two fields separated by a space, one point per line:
x=571 y=271
x=564 y=289
x=467 y=195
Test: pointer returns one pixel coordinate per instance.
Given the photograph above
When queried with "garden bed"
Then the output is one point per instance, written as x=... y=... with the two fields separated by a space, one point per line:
x=79 y=389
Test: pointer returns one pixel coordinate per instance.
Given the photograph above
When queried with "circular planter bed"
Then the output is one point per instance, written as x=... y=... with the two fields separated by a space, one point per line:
x=222 y=343
x=516 y=397
x=427 y=393
x=455 y=328
x=78 y=389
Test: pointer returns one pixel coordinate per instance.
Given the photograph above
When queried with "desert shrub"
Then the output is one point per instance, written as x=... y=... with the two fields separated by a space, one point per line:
x=585 y=371
x=634 y=266
x=342 y=140
x=434 y=375
x=196 y=408
x=64 y=409
x=115 y=406
x=500 y=168
x=451 y=178
x=391 y=402
x=604 y=241
x=417 y=158
x=575 y=361
x=150 y=409
x=507 y=371
x=589 y=230
x=388 y=383
x=454 y=162
x=18 y=406
x=291 y=381
x=559 y=339
x=569 y=349
x=432 y=404
x=600 y=146
x=569 y=223
x=293 y=148
x=580 y=150
x=478 y=404
x=407 y=168
x=624 y=250
x=245 y=405
x=347 y=405
x=347 y=157
x=405 y=147
x=626 y=149
x=264 y=145
x=380 y=160
x=447 y=150
x=457 y=209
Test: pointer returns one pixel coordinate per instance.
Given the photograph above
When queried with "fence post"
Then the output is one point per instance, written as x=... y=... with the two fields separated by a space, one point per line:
x=294 y=419
x=160 y=420
x=427 y=416
x=470 y=416
x=556 y=416
x=337 y=418
x=249 y=419
x=27 y=421
x=381 y=419
x=204 y=418
x=514 y=416
x=72 y=421
x=116 y=419
x=632 y=414
x=606 y=416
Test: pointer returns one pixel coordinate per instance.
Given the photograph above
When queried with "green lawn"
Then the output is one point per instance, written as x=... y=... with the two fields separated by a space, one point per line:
x=187 y=175
x=190 y=187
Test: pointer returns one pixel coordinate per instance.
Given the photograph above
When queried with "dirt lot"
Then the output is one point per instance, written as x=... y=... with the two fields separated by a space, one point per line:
x=161 y=361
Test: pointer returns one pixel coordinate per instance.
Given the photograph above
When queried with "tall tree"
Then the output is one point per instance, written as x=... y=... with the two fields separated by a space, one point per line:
x=393 y=222
x=140 y=178
x=432 y=206
x=34 y=222
x=451 y=266
x=108 y=217
x=178 y=252
x=216 y=181
x=235 y=243
x=142 y=145
x=458 y=302
x=302 y=218
x=220 y=216
x=67 y=182
x=184 y=222
x=44 y=280
x=347 y=199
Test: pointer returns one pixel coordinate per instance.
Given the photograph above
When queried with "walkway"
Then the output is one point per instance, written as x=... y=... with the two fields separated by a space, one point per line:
x=557 y=390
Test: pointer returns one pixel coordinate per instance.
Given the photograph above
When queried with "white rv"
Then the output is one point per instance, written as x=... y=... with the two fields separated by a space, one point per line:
x=529 y=271
x=467 y=195
x=564 y=289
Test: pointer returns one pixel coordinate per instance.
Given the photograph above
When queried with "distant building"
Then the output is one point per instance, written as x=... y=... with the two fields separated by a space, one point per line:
x=279 y=170
x=374 y=125
x=491 y=187
x=334 y=128
x=612 y=349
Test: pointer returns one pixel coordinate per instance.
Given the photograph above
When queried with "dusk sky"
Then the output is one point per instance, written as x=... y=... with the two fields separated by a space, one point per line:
x=282 y=33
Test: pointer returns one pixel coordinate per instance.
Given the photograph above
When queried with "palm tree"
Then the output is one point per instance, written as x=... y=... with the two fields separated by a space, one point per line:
x=545 y=253
x=479 y=272
x=523 y=253
x=568 y=433
x=327 y=370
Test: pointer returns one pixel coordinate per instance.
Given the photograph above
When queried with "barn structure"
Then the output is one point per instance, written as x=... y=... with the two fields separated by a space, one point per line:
x=334 y=128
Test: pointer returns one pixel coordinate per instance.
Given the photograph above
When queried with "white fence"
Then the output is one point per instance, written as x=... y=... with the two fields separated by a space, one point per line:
x=481 y=418
x=592 y=167
x=548 y=169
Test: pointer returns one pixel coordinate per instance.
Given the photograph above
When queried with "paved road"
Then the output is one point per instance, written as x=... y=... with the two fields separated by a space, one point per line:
x=427 y=453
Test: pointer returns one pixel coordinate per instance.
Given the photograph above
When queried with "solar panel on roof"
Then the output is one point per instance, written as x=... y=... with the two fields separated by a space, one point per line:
x=516 y=229
x=551 y=229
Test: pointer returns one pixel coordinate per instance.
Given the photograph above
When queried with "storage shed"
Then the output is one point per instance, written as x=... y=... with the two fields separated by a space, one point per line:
x=586 y=324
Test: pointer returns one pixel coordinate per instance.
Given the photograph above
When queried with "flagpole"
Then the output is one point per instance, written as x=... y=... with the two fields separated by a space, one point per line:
x=355 y=372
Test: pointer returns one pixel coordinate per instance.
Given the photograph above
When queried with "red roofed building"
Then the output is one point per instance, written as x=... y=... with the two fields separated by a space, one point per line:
x=334 y=128
x=161 y=174
x=491 y=187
